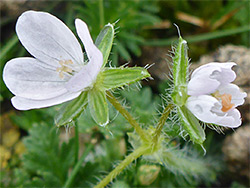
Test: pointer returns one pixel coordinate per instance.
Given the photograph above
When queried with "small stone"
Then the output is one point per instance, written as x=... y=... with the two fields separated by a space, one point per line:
x=236 y=149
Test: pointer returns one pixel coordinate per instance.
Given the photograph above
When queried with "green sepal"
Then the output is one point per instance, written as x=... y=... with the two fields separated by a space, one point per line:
x=71 y=110
x=98 y=106
x=118 y=77
x=191 y=125
x=104 y=41
x=180 y=71
x=179 y=95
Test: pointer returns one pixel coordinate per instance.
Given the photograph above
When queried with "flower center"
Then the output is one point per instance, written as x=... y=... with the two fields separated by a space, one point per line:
x=65 y=68
x=225 y=101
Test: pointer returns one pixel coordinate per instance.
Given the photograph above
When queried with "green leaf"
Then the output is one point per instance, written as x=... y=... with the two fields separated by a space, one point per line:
x=118 y=77
x=191 y=125
x=200 y=37
x=119 y=183
x=121 y=49
x=98 y=106
x=104 y=41
x=46 y=160
x=71 y=110
x=180 y=69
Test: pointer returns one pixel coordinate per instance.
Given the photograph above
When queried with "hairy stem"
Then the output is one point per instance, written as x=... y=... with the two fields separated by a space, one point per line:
x=144 y=136
x=161 y=122
x=129 y=159
x=77 y=167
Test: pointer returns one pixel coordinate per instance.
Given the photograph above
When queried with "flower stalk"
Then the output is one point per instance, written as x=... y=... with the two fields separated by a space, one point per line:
x=161 y=122
x=129 y=159
x=144 y=136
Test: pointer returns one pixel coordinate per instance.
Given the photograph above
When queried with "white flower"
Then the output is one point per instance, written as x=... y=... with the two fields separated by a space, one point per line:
x=57 y=73
x=213 y=98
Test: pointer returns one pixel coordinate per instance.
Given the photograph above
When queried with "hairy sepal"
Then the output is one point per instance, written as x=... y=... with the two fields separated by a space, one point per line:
x=118 y=77
x=191 y=125
x=98 y=106
x=180 y=71
x=104 y=41
x=179 y=94
x=71 y=110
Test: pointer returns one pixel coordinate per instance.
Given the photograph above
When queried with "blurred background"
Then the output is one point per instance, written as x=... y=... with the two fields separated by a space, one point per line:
x=35 y=153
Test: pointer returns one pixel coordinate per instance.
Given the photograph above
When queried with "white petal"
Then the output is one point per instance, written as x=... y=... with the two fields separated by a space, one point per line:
x=27 y=104
x=89 y=72
x=232 y=119
x=207 y=78
x=234 y=90
x=208 y=109
x=201 y=107
x=83 y=79
x=47 y=38
x=90 y=48
x=29 y=78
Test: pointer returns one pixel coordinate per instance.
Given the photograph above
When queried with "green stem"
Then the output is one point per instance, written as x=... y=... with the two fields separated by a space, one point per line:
x=101 y=13
x=76 y=142
x=127 y=116
x=77 y=167
x=129 y=159
x=161 y=122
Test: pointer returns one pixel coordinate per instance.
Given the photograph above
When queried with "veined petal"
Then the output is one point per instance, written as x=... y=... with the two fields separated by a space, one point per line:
x=89 y=72
x=201 y=107
x=208 y=109
x=21 y=103
x=207 y=78
x=234 y=91
x=232 y=119
x=92 y=51
x=27 y=77
x=48 y=39
x=83 y=79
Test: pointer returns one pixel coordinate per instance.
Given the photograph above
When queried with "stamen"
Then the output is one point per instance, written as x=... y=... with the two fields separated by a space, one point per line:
x=64 y=67
x=225 y=101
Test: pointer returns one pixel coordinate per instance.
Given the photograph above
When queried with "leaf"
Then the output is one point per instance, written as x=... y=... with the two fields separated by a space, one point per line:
x=200 y=37
x=71 y=110
x=119 y=184
x=45 y=162
x=104 y=41
x=98 y=106
x=122 y=50
x=118 y=77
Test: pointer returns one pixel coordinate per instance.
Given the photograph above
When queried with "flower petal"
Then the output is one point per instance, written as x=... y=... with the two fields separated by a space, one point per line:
x=234 y=91
x=21 y=103
x=90 y=48
x=47 y=38
x=207 y=78
x=232 y=119
x=30 y=78
x=208 y=109
x=201 y=107
x=89 y=72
